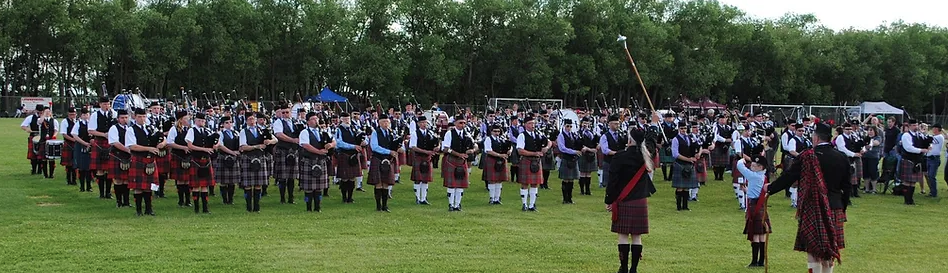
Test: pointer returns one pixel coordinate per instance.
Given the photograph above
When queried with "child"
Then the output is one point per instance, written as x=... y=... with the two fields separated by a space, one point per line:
x=757 y=224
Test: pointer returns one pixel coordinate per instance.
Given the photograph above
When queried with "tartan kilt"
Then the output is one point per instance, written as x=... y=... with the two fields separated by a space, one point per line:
x=600 y=157
x=398 y=163
x=735 y=173
x=588 y=163
x=416 y=174
x=907 y=171
x=838 y=218
x=402 y=159
x=448 y=164
x=137 y=178
x=514 y=156
x=115 y=168
x=224 y=175
x=314 y=179
x=375 y=172
x=701 y=168
x=679 y=180
x=80 y=159
x=786 y=162
x=66 y=157
x=29 y=149
x=345 y=171
x=282 y=170
x=363 y=159
x=164 y=162
x=720 y=156
x=40 y=151
x=197 y=163
x=548 y=162
x=491 y=174
x=632 y=217
x=250 y=178
x=100 y=159
x=756 y=222
x=857 y=170
x=569 y=169
x=665 y=155
x=331 y=163
x=177 y=173
x=524 y=176
x=409 y=160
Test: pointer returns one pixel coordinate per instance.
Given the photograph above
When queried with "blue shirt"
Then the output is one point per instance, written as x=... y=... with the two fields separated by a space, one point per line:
x=374 y=143
x=754 y=180
x=561 y=143
x=674 y=146
x=341 y=144
x=604 y=141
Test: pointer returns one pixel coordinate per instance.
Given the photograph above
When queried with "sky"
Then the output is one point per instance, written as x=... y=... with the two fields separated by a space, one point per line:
x=843 y=14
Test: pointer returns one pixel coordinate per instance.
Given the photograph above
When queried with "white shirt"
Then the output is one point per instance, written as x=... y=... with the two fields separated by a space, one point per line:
x=841 y=145
x=790 y=144
x=64 y=127
x=936 y=145
x=278 y=127
x=29 y=119
x=130 y=139
x=522 y=141
x=172 y=134
x=907 y=143
x=446 y=144
x=190 y=136
x=75 y=128
x=114 y=135
x=304 y=136
x=487 y=144
x=413 y=139
x=94 y=118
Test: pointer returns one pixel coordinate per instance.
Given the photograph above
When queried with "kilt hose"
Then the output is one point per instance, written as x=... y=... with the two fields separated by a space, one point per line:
x=588 y=163
x=907 y=171
x=115 y=166
x=720 y=156
x=525 y=176
x=257 y=178
x=678 y=176
x=837 y=219
x=138 y=177
x=757 y=221
x=421 y=173
x=376 y=176
x=202 y=172
x=225 y=175
x=100 y=155
x=491 y=173
x=66 y=157
x=81 y=157
x=569 y=167
x=631 y=217
x=449 y=163
x=313 y=173
x=856 y=168
x=701 y=169
x=345 y=169
x=285 y=163
x=178 y=172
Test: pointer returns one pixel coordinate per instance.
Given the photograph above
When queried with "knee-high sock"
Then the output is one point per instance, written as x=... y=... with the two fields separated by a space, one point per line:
x=138 y=203
x=378 y=198
x=451 y=197
x=693 y=193
x=684 y=200
x=634 y=257
x=815 y=267
x=524 y=193
x=599 y=175
x=458 y=193
x=417 y=188
x=424 y=192
x=180 y=195
x=499 y=188
x=754 y=252
x=148 y=205
x=389 y=190
x=624 y=257
x=793 y=196
x=249 y=198
x=256 y=200
x=359 y=181
x=290 y=184
x=384 y=199
x=828 y=269
x=490 y=192
x=533 y=197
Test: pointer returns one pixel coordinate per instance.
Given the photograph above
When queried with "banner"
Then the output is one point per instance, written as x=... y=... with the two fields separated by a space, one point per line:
x=29 y=103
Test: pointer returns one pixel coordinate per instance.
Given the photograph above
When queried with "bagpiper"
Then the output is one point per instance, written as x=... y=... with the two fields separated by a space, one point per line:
x=227 y=164
x=31 y=125
x=201 y=142
x=99 y=124
x=685 y=151
x=349 y=150
x=569 y=146
x=144 y=143
x=121 y=157
x=314 y=162
x=385 y=148
x=495 y=162
x=287 y=152
x=424 y=146
x=588 y=159
x=254 y=170
x=69 y=141
x=164 y=123
x=531 y=146
x=912 y=167
x=48 y=128
x=80 y=153
x=180 y=157
x=458 y=146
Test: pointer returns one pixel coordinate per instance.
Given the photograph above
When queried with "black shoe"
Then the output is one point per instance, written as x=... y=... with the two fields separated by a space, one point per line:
x=534 y=208
x=524 y=208
x=385 y=209
x=754 y=265
x=360 y=189
x=457 y=208
x=152 y=213
x=694 y=199
x=425 y=203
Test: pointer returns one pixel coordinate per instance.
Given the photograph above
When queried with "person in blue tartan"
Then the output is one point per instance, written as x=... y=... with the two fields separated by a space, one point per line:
x=910 y=169
x=685 y=151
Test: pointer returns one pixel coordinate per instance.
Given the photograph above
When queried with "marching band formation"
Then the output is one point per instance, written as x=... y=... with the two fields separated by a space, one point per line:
x=136 y=151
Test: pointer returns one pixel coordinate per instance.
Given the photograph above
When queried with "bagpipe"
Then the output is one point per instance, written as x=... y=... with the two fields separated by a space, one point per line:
x=156 y=137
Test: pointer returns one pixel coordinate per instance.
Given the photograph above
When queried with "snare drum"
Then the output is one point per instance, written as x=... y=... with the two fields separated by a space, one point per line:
x=54 y=149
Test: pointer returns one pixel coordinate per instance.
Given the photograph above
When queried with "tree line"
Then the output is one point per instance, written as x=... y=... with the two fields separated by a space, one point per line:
x=463 y=51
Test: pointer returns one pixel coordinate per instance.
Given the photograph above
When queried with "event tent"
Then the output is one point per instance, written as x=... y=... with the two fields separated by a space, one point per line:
x=880 y=107
x=327 y=95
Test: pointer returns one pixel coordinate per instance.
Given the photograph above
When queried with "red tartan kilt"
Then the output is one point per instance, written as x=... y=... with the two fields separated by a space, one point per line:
x=524 y=176
x=95 y=163
x=345 y=171
x=375 y=172
x=448 y=165
x=631 y=217
x=837 y=218
x=66 y=157
x=137 y=178
x=177 y=173
x=491 y=174
x=363 y=160
x=756 y=222
x=600 y=158
x=40 y=151
x=416 y=174
x=409 y=160
x=196 y=181
x=164 y=163
x=701 y=169
x=907 y=171
x=332 y=166
x=115 y=169
x=29 y=149
x=735 y=173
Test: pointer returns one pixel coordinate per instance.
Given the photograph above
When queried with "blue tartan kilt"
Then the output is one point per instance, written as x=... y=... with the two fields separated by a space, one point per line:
x=81 y=157
x=548 y=161
x=250 y=178
x=666 y=155
x=720 y=157
x=226 y=175
x=588 y=163
x=678 y=178
x=569 y=167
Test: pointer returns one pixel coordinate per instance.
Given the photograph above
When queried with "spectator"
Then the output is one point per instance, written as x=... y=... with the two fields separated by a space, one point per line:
x=870 y=160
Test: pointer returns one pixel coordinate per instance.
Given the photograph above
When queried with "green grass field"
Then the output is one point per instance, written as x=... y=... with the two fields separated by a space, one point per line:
x=46 y=226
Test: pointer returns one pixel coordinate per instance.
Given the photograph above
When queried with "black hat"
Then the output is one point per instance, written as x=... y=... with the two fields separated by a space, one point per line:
x=543 y=112
x=104 y=99
x=759 y=159
x=71 y=110
x=637 y=135
x=207 y=108
x=567 y=122
x=40 y=107
x=200 y=116
x=695 y=125
x=261 y=115
x=912 y=121
x=682 y=124
x=514 y=118
x=343 y=115
x=422 y=118
x=83 y=111
x=643 y=116
x=122 y=112
x=140 y=111
x=742 y=118
x=310 y=115
x=806 y=119
x=822 y=128
x=791 y=121
x=154 y=103
x=382 y=116
x=458 y=117
x=495 y=127
x=249 y=114
x=936 y=125
x=613 y=117
x=701 y=116
x=797 y=126
x=301 y=110
x=227 y=108
x=847 y=124
x=180 y=114
x=586 y=119
x=721 y=116
x=669 y=115
x=224 y=119
x=759 y=115
x=527 y=119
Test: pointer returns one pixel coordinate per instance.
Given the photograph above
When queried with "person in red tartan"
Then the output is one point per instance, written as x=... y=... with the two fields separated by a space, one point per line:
x=495 y=163
x=120 y=159
x=99 y=124
x=531 y=146
x=200 y=142
x=144 y=145
x=457 y=147
x=69 y=142
x=823 y=176
x=627 y=191
x=757 y=222
x=424 y=145
x=31 y=126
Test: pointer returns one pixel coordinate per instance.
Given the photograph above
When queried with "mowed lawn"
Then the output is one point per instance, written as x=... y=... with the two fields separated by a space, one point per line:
x=46 y=226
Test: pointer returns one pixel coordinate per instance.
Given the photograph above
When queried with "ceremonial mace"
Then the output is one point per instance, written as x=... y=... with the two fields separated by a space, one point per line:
x=635 y=69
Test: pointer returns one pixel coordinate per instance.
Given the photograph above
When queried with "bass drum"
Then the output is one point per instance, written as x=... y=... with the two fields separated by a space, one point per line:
x=571 y=115
x=128 y=102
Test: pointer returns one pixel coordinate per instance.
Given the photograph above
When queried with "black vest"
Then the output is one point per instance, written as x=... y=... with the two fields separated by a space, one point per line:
x=348 y=135
x=497 y=146
x=801 y=145
x=200 y=137
x=321 y=144
x=251 y=140
x=232 y=142
x=686 y=147
x=426 y=141
x=571 y=141
x=121 y=137
x=615 y=145
x=534 y=143
x=180 y=140
x=515 y=130
x=386 y=141
x=725 y=131
x=287 y=127
x=142 y=139
x=104 y=121
x=589 y=139
x=84 y=131
x=746 y=147
x=34 y=124
x=47 y=130
x=70 y=124
x=457 y=141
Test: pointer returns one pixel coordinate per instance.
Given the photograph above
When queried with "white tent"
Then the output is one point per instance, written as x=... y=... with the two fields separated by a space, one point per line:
x=879 y=108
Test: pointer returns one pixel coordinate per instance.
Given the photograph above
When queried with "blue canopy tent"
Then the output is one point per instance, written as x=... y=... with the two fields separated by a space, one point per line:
x=327 y=95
